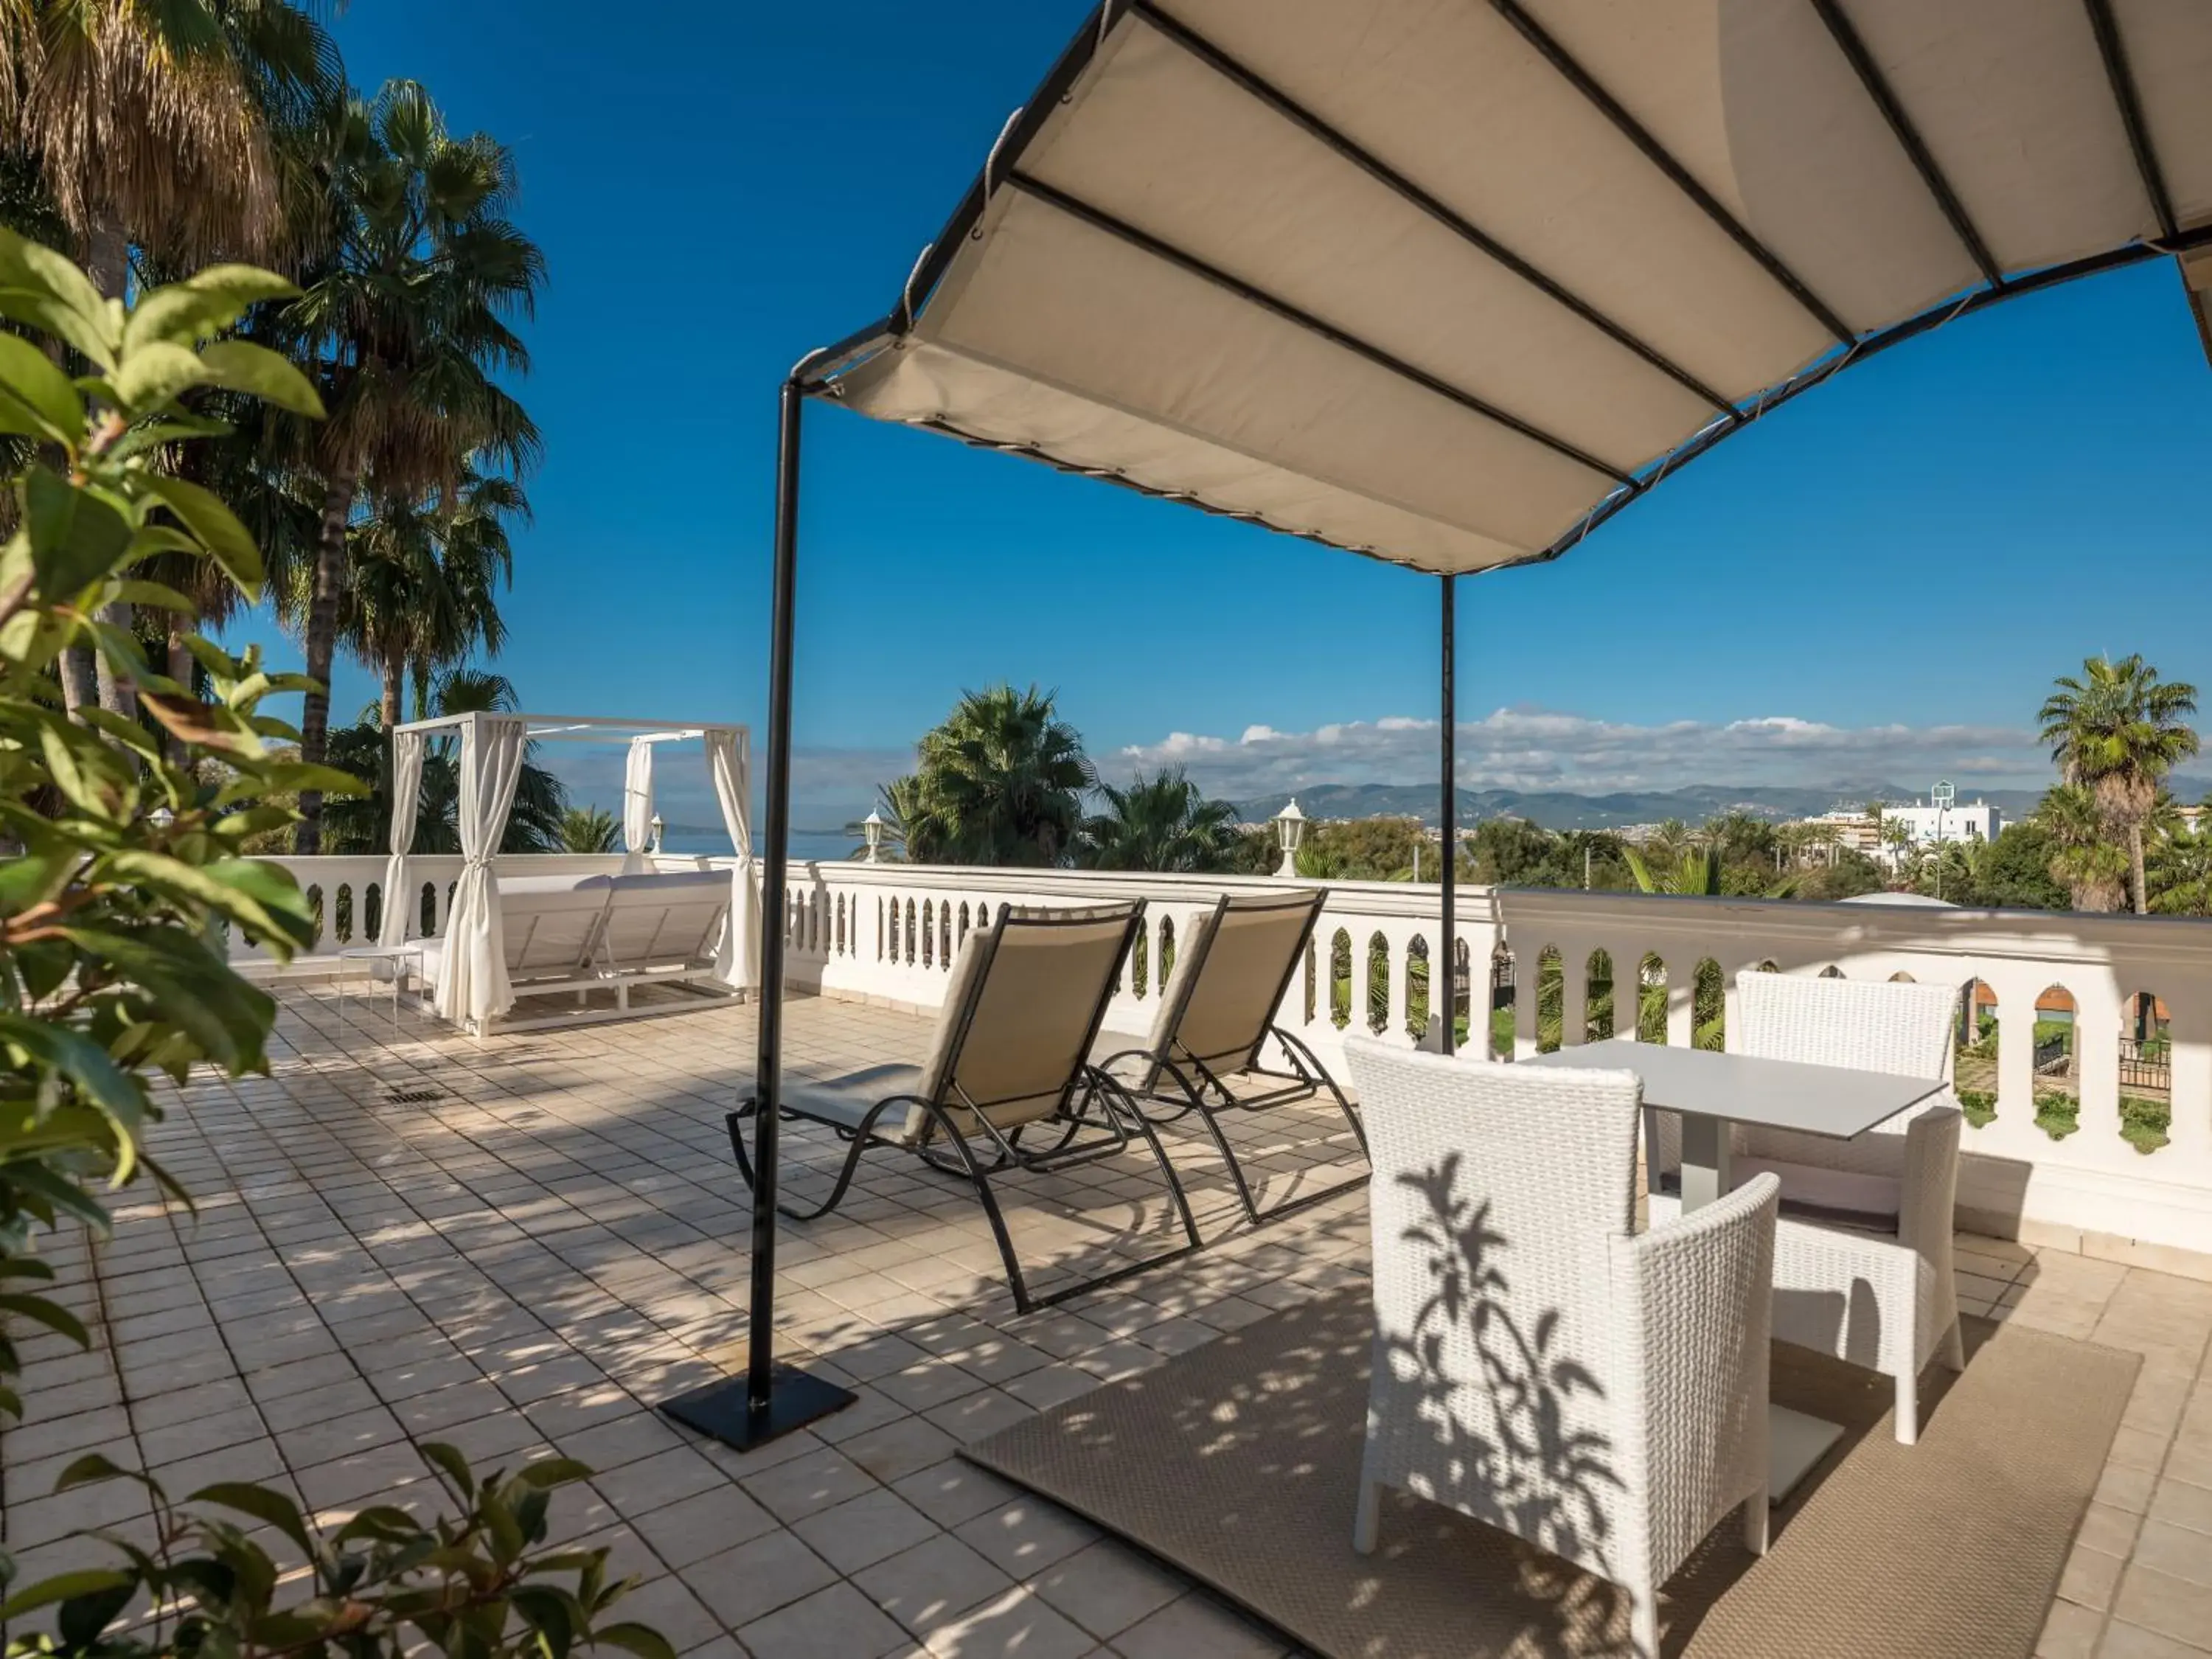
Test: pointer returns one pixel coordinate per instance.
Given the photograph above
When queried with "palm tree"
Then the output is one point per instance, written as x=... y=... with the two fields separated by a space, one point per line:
x=589 y=830
x=1668 y=840
x=1694 y=870
x=2180 y=869
x=1163 y=822
x=2118 y=730
x=164 y=126
x=424 y=581
x=1001 y=782
x=360 y=824
x=406 y=320
x=2083 y=858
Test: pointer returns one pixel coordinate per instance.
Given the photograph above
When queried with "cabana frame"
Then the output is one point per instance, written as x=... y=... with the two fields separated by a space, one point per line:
x=728 y=746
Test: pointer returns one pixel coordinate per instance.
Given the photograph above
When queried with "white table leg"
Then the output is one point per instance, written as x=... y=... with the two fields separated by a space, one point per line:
x=1795 y=1440
x=1707 y=1154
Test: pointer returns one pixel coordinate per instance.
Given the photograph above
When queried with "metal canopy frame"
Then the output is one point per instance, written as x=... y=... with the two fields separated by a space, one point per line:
x=772 y=1399
x=577 y=728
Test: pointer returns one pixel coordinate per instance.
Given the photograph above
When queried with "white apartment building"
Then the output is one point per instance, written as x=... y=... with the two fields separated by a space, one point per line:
x=1927 y=823
x=1931 y=825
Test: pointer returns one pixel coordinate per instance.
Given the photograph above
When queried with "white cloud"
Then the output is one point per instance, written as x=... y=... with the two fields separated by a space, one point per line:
x=1545 y=749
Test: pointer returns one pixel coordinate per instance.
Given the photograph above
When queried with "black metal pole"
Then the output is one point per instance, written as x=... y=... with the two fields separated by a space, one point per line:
x=774 y=1400
x=1443 y=970
x=776 y=887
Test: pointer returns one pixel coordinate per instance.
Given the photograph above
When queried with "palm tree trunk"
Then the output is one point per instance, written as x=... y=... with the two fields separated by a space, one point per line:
x=109 y=249
x=321 y=646
x=80 y=683
x=2135 y=865
x=180 y=666
x=395 y=674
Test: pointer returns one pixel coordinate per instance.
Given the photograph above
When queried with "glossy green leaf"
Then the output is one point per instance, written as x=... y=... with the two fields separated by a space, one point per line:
x=84 y=1618
x=265 y=1504
x=93 y=1467
x=28 y=268
x=449 y=1462
x=33 y=383
x=552 y=1614
x=216 y=526
x=192 y=985
x=553 y=1472
x=200 y=305
x=87 y=1066
x=80 y=773
x=631 y=1637
x=88 y=1581
x=153 y=374
x=55 y=1318
x=76 y=538
x=241 y=365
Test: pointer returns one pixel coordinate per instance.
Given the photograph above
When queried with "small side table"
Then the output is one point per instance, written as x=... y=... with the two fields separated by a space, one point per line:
x=397 y=962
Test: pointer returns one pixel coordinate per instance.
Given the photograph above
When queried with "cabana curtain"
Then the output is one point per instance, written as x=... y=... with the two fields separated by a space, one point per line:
x=730 y=766
x=474 y=986
x=637 y=804
x=406 y=797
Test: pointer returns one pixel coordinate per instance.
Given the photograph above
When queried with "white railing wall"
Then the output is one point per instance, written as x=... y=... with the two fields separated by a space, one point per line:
x=2015 y=1174
x=348 y=892
x=887 y=933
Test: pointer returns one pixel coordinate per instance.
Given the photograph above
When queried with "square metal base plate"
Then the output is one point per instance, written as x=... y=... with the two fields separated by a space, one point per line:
x=719 y=1409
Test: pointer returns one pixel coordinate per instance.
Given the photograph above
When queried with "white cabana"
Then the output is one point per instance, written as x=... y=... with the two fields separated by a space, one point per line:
x=473 y=989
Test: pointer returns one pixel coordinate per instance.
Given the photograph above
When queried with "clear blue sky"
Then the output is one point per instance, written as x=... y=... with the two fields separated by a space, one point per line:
x=718 y=188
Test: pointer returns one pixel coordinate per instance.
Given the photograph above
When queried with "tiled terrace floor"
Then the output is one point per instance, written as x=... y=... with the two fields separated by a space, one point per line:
x=518 y=1247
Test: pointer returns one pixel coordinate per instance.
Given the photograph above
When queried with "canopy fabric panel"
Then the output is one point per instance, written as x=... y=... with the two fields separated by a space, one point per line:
x=1449 y=283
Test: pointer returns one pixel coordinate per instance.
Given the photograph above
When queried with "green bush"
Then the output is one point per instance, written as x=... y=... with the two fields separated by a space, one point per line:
x=125 y=864
x=1979 y=1106
x=2057 y=1115
x=2144 y=1121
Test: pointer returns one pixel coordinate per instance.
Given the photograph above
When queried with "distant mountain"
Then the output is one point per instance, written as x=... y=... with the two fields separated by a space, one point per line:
x=1693 y=803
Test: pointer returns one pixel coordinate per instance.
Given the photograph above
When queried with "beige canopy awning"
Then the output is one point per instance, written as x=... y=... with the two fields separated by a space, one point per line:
x=1450 y=282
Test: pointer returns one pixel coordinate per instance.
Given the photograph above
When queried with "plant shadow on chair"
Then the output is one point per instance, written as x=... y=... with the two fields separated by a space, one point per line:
x=1543 y=1471
x=1540 y=1366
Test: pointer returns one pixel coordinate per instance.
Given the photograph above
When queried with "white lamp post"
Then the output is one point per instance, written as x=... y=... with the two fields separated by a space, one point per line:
x=1290 y=831
x=873 y=827
x=655 y=847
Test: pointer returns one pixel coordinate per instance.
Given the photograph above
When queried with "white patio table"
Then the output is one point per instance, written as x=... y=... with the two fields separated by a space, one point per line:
x=1712 y=1090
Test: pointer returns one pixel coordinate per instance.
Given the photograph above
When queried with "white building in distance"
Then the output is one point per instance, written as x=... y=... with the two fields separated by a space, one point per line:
x=1932 y=825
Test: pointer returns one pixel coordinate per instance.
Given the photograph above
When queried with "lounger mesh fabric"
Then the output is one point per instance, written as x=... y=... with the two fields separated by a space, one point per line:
x=1537 y=1365
x=1011 y=1050
x=1010 y=1033
x=1214 y=1048
x=1447 y=283
x=1228 y=1008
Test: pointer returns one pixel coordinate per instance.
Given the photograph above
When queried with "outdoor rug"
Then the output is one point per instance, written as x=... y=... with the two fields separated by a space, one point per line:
x=1238 y=1462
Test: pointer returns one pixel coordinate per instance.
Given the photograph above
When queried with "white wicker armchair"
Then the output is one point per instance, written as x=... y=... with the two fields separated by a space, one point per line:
x=1537 y=1365
x=1863 y=1270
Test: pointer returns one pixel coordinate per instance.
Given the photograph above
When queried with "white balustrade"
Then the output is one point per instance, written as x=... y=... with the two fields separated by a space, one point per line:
x=2021 y=1176
x=887 y=933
